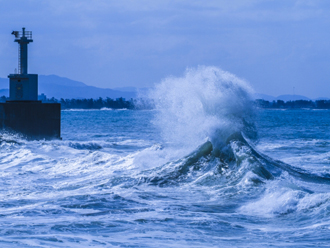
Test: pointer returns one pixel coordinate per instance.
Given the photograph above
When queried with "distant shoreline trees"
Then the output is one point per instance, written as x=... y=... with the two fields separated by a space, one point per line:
x=121 y=103
x=298 y=104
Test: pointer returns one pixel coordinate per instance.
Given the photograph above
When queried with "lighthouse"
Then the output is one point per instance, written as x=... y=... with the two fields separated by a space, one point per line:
x=23 y=86
x=23 y=113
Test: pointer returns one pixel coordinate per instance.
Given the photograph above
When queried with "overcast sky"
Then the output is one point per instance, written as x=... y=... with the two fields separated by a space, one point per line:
x=276 y=45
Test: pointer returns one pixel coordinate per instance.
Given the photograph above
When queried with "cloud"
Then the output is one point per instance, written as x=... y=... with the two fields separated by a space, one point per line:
x=111 y=43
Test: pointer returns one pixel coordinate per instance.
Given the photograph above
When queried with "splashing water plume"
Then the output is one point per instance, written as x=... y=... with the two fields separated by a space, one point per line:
x=206 y=103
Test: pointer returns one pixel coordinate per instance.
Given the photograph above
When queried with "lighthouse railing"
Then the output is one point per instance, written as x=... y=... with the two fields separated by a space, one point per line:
x=19 y=34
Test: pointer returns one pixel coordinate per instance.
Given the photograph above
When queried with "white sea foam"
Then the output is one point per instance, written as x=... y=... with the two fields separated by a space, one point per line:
x=80 y=110
x=275 y=201
x=106 y=109
x=88 y=110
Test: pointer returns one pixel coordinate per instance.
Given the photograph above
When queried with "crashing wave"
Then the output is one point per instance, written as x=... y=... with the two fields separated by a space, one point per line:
x=237 y=159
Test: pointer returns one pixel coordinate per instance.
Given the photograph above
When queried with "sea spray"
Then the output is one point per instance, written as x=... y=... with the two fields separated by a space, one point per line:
x=206 y=103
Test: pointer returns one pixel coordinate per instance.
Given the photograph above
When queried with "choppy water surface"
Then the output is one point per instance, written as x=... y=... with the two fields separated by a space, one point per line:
x=178 y=176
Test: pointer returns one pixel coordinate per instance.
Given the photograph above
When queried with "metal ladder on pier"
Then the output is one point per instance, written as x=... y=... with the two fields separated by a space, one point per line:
x=19 y=60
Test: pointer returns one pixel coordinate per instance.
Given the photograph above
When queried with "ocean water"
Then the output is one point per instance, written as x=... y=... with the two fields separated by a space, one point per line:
x=203 y=169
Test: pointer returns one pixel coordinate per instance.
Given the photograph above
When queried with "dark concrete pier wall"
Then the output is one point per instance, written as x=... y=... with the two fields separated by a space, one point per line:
x=33 y=119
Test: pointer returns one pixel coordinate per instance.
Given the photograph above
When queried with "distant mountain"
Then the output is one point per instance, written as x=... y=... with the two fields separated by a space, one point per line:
x=292 y=98
x=53 y=79
x=4 y=92
x=4 y=83
x=264 y=97
x=61 y=87
x=281 y=97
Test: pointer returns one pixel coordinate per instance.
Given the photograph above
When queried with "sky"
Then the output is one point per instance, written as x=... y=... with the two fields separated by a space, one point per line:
x=278 y=46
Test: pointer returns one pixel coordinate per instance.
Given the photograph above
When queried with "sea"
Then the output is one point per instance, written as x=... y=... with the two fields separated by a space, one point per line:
x=204 y=167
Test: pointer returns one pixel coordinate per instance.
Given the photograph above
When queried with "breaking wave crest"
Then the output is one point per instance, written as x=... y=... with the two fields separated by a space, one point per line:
x=238 y=160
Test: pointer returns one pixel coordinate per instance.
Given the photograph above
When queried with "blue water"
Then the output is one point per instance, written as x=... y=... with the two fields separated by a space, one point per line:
x=95 y=189
x=203 y=169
